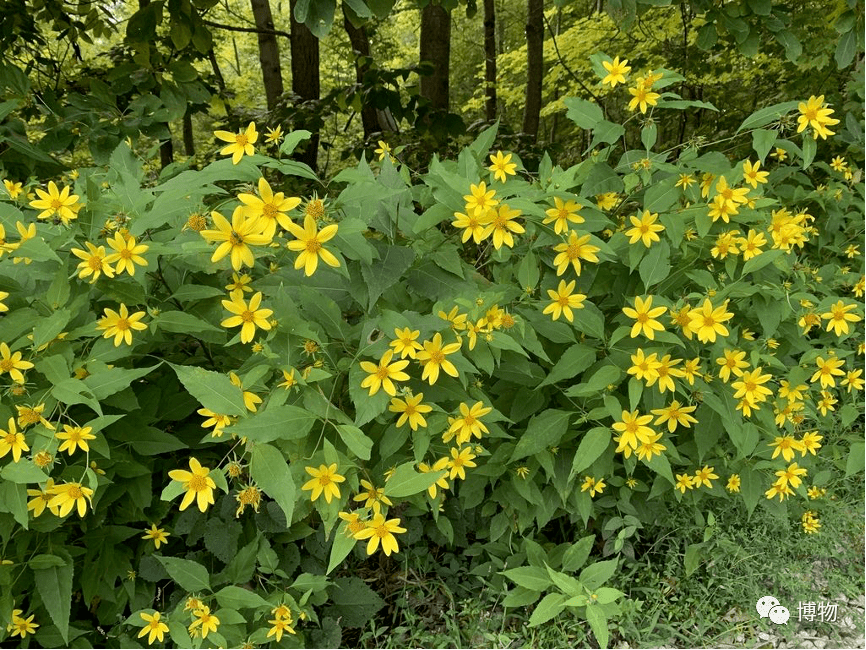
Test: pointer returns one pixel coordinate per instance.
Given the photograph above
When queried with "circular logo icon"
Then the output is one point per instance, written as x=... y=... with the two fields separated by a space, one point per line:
x=779 y=615
x=765 y=604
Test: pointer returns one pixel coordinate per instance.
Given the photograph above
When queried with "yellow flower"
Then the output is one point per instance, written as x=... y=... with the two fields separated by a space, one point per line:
x=632 y=427
x=644 y=368
x=279 y=627
x=459 y=461
x=810 y=522
x=751 y=244
x=675 y=414
x=198 y=484
x=666 y=371
x=67 y=496
x=120 y=325
x=685 y=181
x=576 y=249
x=95 y=262
x=480 y=199
x=500 y=223
x=290 y=380
x=457 y=321
x=501 y=166
x=241 y=142
x=564 y=301
x=645 y=229
x=684 y=482
x=703 y=477
x=41 y=500
x=440 y=465
x=154 y=628
x=308 y=241
x=379 y=530
x=562 y=213
x=22 y=626
x=273 y=136
x=732 y=196
x=607 y=200
x=752 y=175
x=733 y=483
x=852 y=251
x=126 y=253
x=240 y=281
x=206 y=620
x=410 y=409
x=791 y=475
x=56 y=202
x=384 y=374
x=839 y=318
x=707 y=321
x=732 y=362
x=74 y=437
x=158 y=535
x=786 y=445
x=12 y=188
x=469 y=423
x=645 y=316
x=236 y=237
x=373 y=497
x=383 y=150
x=814 y=114
x=433 y=357
x=28 y=415
x=325 y=480
x=826 y=402
x=780 y=154
x=12 y=440
x=592 y=485
x=616 y=71
x=473 y=226
x=649 y=447
x=249 y=495
x=215 y=420
x=247 y=316
x=827 y=370
x=853 y=380
x=642 y=97
x=726 y=244
x=269 y=208
x=406 y=344
x=750 y=386
x=250 y=398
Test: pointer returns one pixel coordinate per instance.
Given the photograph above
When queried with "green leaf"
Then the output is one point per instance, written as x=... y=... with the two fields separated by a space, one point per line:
x=393 y=262
x=24 y=471
x=190 y=576
x=48 y=328
x=45 y=561
x=180 y=322
x=598 y=622
x=75 y=391
x=406 y=481
x=661 y=196
x=529 y=577
x=283 y=422
x=341 y=546
x=692 y=559
x=810 y=147
x=54 y=585
x=37 y=250
x=846 y=49
x=600 y=380
x=591 y=447
x=270 y=471
x=113 y=380
x=549 y=607
x=544 y=430
x=708 y=429
x=233 y=597
x=577 y=554
x=762 y=141
x=583 y=113
x=595 y=575
x=527 y=271
x=767 y=115
x=761 y=260
x=855 y=462
x=214 y=390
x=484 y=141
x=606 y=133
x=656 y=265
x=292 y=140
x=358 y=443
x=573 y=361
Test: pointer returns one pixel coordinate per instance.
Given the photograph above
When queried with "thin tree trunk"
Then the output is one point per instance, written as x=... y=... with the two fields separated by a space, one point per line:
x=535 y=65
x=490 y=58
x=166 y=150
x=221 y=82
x=269 y=52
x=361 y=45
x=188 y=141
x=305 y=76
x=436 y=48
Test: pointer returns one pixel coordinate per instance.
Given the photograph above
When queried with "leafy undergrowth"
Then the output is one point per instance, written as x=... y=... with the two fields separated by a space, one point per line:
x=436 y=599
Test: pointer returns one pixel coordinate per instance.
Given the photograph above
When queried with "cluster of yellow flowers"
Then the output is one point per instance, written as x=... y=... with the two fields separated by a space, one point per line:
x=21 y=626
x=704 y=477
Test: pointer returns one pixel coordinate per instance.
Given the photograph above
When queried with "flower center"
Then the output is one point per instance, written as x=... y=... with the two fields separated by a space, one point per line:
x=122 y=324
x=563 y=301
x=709 y=321
x=95 y=263
x=437 y=357
x=74 y=492
x=642 y=318
x=811 y=114
x=574 y=251
x=235 y=239
x=501 y=221
x=125 y=254
x=241 y=139
x=410 y=409
x=6 y=365
x=383 y=372
x=324 y=480
x=56 y=204
x=313 y=246
x=382 y=531
x=29 y=416
x=197 y=483
x=10 y=439
x=269 y=210
x=248 y=317
x=631 y=427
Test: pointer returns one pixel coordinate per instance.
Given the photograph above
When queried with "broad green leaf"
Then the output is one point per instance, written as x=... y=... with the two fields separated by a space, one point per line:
x=767 y=115
x=810 y=147
x=708 y=429
x=341 y=546
x=484 y=141
x=108 y=382
x=598 y=622
x=591 y=447
x=855 y=462
x=692 y=559
x=656 y=265
x=586 y=114
x=283 y=422
x=600 y=380
x=214 y=390
x=661 y=196
x=190 y=576
x=549 y=607
x=393 y=262
x=24 y=471
x=234 y=597
x=760 y=261
x=544 y=430
x=577 y=554
x=54 y=585
x=406 y=481
x=762 y=141
x=595 y=575
x=269 y=470
x=180 y=322
x=358 y=443
x=573 y=361
x=530 y=577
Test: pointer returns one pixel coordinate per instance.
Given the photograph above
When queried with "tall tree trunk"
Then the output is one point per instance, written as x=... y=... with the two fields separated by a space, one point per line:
x=361 y=45
x=490 y=58
x=166 y=150
x=269 y=52
x=436 y=48
x=305 y=76
x=535 y=65
x=188 y=141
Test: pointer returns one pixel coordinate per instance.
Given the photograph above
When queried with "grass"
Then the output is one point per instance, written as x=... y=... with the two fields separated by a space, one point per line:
x=435 y=601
